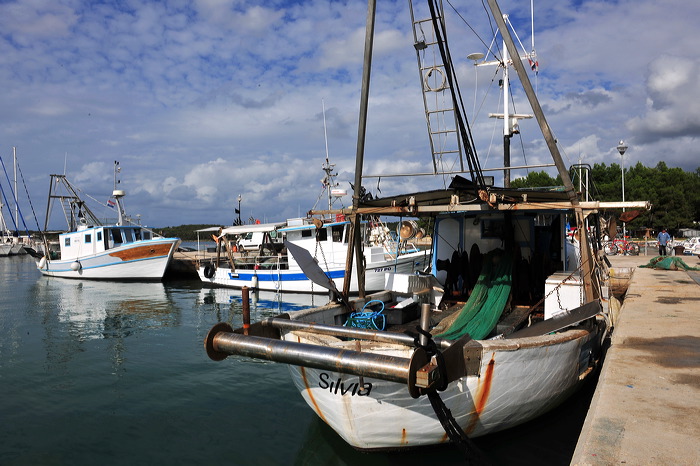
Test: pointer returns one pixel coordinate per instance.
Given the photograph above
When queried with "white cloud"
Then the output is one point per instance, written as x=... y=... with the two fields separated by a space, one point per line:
x=205 y=100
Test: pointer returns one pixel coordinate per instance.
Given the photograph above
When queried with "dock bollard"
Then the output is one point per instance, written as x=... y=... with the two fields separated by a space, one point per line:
x=246 y=309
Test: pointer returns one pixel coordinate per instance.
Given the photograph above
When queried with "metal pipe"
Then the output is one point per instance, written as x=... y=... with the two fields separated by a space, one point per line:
x=348 y=332
x=458 y=172
x=219 y=344
x=424 y=322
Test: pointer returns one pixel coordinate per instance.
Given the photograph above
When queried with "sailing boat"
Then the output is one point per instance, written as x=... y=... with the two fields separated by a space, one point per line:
x=12 y=243
x=91 y=249
x=485 y=354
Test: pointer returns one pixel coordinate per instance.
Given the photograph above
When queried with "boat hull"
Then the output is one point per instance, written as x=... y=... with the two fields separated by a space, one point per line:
x=518 y=380
x=141 y=260
x=295 y=281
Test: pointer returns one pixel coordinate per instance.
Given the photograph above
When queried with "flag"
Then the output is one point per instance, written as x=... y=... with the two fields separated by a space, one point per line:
x=534 y=65
x=110 y=203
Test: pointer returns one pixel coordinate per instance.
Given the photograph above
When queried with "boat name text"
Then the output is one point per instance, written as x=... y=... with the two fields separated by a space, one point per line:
x=344 y=388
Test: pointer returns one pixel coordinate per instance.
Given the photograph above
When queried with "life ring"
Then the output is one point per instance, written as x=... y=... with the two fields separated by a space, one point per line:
x=209 y=270
x=441 y=77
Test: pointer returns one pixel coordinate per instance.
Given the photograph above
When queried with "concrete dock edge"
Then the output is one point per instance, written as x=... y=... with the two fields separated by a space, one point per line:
x=646 y=407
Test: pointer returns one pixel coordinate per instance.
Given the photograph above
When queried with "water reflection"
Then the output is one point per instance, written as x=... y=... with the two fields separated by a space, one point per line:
x=83 y=316
x=262 y=303
x=96 y=309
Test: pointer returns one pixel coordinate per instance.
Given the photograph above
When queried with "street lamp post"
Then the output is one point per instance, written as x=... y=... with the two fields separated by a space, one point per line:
x=622 y=148
x=238 y=211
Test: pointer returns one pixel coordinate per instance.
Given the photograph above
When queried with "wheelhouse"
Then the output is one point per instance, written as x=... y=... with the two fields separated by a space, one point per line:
x=93 y=240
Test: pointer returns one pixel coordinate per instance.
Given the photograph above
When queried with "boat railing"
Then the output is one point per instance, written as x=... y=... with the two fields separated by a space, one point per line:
x=254 y=262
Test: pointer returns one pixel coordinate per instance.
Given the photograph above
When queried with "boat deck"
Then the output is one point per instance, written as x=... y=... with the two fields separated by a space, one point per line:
x=183 y=264
x=647 y=403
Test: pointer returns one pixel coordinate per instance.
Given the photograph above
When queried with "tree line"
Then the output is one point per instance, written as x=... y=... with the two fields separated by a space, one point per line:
x=674 y=194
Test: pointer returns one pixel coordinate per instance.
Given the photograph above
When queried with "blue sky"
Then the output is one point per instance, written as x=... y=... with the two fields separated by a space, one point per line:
x=201 y=101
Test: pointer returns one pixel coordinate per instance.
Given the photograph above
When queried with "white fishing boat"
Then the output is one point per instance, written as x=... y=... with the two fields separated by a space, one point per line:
x=275 y=270
x=93 y=249
x=504 y=329
x=264 y=263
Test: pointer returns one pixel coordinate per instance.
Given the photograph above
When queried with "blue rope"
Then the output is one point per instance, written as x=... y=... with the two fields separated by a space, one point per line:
x=368 y=319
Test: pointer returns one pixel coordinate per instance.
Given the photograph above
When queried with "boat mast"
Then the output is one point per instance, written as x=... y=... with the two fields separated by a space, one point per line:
x=506 y=119
x=355 y=240
x=118 y=194
x=14 y=161
x=328 y=168
x=586 y=259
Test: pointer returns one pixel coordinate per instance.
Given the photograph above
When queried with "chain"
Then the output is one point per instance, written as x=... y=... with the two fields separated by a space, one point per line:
x=325 y=262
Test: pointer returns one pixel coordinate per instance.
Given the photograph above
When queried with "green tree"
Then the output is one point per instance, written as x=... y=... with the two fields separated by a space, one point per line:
x=539 y=179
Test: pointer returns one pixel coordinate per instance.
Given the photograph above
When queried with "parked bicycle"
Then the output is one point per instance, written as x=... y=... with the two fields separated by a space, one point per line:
x=621 y=246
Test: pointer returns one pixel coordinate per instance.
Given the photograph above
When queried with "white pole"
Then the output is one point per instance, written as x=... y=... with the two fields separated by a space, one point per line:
x=14 y=160
x=325 y=137
x=506 y=110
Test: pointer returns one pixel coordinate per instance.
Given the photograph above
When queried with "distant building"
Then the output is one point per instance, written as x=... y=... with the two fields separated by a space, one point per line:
x=688 y=232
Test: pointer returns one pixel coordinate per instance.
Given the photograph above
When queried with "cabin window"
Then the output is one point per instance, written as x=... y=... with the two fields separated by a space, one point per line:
x=128 y=236
x=117 y=236
x=338 y=233
x=88 y=239
x=322 y=234
x=492 y=228
x=306 y=233
x=99 y=236
x=137 y=234
x=146 y=235
x=67 y=242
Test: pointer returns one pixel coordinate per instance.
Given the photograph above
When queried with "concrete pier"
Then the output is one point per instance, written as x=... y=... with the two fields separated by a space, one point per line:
x=646 y=408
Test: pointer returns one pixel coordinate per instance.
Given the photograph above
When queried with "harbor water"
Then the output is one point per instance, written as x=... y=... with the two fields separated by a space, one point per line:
x=96 y=372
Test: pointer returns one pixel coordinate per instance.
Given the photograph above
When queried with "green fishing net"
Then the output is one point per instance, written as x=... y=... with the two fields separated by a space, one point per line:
x=487 y=300
x=668 y=263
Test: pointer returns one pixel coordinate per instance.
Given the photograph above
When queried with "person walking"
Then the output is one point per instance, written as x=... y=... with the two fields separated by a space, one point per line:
x=663 y=238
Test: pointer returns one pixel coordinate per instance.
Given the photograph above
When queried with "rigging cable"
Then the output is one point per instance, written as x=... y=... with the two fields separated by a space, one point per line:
x=36 y=220
x=14 y=196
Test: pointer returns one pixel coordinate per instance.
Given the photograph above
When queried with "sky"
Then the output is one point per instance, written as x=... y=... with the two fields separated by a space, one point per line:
x=205 y=100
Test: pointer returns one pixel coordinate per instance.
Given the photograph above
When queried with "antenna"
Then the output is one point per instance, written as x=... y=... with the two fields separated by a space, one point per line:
x=532 y=24
x=325 y=133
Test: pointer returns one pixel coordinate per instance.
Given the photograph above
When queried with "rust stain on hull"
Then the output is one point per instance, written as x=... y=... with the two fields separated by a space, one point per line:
x=142 y=252
x=483 y=391
x=302 y=370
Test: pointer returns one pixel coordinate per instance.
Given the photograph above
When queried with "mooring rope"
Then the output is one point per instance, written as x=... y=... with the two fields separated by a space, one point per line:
x=454 y=431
